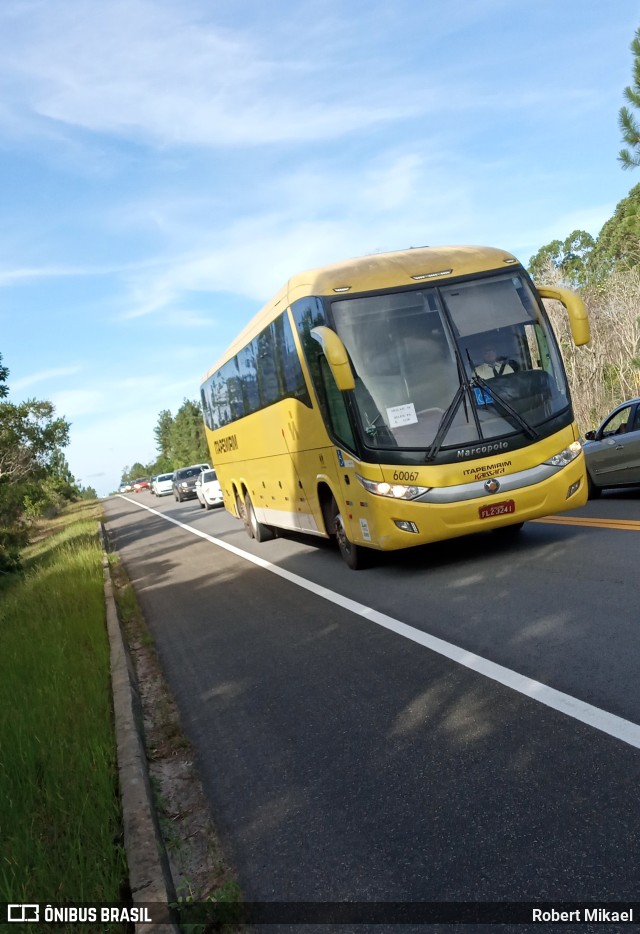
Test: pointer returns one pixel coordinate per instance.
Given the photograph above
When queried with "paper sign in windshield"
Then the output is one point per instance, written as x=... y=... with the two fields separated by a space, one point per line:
x=400 y=415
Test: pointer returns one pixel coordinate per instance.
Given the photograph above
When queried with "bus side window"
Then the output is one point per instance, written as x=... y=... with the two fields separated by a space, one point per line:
x=338 y=415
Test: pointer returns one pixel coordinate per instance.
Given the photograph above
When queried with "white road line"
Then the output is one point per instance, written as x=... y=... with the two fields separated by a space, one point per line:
x=594 y=717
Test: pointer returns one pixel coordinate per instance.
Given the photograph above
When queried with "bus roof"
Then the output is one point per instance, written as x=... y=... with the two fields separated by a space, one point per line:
x=368 y=273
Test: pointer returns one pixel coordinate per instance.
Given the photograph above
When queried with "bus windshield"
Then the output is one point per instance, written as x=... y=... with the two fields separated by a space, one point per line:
x=463 y=362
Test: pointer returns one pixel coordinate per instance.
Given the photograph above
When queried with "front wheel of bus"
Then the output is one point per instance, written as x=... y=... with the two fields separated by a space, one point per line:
x=354 y=556
x=261 y=533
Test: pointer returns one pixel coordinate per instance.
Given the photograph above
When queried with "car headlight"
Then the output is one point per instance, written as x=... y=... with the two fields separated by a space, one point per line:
x=565 y=457
x=184 y=484
x=393 y=490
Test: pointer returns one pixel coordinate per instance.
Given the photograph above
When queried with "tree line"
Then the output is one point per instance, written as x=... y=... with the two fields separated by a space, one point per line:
x=35 y=479
x=180 y=441
x=606 y=271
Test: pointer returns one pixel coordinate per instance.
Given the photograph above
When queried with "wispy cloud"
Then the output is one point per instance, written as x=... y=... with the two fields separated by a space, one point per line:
x=323 y=214
x=43 y=376
x=29 y=273
x=164 y=73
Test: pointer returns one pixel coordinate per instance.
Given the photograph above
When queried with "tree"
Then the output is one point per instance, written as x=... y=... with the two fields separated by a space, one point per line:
x=630 y=158
x=188 y=439
x=137 y=470
x=30 y=441
x=162 y=433
x=48 y=494
x=618 y=244
x=570 y=258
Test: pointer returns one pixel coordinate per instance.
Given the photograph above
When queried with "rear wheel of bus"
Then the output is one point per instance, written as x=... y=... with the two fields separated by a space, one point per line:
x=261 y=533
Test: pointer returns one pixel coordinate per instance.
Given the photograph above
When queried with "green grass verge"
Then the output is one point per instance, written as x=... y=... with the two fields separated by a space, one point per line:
x=60 y=823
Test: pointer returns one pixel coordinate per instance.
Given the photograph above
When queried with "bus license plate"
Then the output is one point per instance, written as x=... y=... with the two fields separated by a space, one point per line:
x=497 y=509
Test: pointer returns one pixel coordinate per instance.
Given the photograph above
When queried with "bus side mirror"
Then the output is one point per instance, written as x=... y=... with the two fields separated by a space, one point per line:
x=576 y=309
x=337 y=357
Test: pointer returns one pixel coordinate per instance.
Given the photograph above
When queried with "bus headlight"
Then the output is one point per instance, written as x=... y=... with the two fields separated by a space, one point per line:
x=565 y=457
x=392 y=490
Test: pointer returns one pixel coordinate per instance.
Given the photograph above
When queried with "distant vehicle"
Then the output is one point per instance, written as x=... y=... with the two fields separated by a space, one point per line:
x=184 y=481
x=208 y=489
x=612 y=451
x=125 y=488
x=163 y=484
x=151 y=482
x=140 y=484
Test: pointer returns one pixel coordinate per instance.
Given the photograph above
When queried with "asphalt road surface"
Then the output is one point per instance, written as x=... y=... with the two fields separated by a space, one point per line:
x=457 y=723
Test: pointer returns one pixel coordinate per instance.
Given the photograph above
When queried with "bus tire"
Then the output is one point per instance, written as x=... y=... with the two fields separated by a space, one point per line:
x=261 y=533
x=355 y=556
x=242 y=513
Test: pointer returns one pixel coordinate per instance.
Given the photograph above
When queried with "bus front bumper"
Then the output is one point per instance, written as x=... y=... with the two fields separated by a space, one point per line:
x=454 y=512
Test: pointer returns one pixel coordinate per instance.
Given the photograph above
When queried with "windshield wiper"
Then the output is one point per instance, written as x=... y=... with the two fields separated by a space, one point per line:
x=522 y=422
x=446 y=422
x=466 y=389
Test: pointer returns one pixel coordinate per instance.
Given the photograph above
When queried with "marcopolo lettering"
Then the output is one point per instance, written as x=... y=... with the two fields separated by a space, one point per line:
x=483 y=449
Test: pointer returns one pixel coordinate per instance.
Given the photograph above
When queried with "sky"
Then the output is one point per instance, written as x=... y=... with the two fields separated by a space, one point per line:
x=167 y=165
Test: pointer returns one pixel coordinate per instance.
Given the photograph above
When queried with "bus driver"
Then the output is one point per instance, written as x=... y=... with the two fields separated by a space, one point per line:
x=493 y=365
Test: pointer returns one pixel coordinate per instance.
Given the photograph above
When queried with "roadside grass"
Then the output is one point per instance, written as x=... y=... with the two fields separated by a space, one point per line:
x=60 y=822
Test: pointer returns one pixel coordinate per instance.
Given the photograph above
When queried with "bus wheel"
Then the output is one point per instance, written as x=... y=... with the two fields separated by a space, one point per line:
x=242 y=512
x=261 y=533
x=354 y=556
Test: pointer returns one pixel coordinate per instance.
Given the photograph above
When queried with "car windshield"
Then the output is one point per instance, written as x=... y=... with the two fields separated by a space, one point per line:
x=164 y=476
x=458 y=363
x=188 y=472
x=208 y=476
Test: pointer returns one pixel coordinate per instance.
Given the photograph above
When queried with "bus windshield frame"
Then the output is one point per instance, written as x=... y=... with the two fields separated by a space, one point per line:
x=452 y=365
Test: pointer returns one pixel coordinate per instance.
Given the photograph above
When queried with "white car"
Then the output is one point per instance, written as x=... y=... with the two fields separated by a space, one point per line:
x=208 y=489
x=163 y=484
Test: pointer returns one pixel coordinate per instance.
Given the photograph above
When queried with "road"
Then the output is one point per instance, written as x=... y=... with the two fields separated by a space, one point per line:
x=458 y=723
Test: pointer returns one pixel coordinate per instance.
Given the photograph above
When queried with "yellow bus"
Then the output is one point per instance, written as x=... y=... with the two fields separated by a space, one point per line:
x=398 y=399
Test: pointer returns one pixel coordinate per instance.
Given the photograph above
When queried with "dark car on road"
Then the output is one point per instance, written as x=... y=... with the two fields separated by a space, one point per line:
x=184 y=481
x=612 y=451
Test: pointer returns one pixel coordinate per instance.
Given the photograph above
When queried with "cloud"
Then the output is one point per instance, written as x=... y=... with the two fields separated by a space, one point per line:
x=44 y=376
x=164 y=74
x=319 y=213
x=9 y=277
